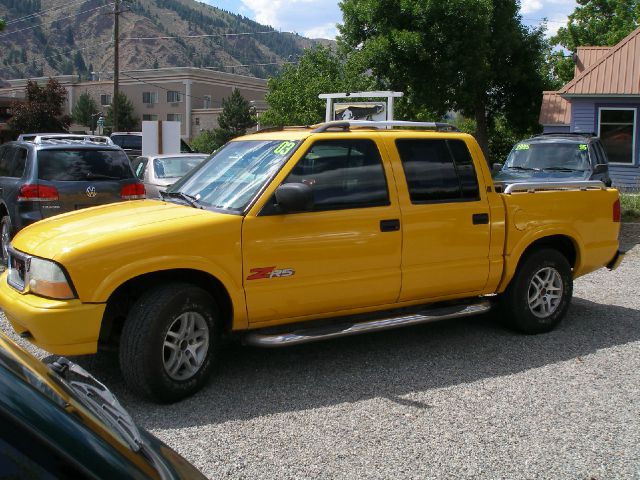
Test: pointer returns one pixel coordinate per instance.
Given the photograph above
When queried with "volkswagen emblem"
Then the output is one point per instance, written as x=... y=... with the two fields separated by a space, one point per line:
x=91 y=192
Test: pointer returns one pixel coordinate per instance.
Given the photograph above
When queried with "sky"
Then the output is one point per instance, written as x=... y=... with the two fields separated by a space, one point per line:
x=318 y=18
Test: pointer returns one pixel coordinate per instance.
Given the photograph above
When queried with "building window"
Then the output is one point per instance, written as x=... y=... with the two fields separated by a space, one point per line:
x=174 y=117
x=149 y=118
x=197 y=120
x=149 y=97
x=207 y=101
x=174 y=97
x=617 y=132
x=105 y=99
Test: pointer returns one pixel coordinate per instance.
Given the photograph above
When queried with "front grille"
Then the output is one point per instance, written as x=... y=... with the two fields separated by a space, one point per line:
x=18 y=265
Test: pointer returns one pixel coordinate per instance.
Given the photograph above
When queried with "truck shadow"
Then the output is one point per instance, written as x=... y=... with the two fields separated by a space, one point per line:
x=629 y=235
x=255 y=382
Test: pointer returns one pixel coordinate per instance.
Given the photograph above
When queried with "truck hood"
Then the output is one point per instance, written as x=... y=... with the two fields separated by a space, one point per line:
x=513 y=176
x=113 y=224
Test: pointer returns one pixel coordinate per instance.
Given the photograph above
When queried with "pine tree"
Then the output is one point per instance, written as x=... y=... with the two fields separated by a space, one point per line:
x=126 y=118
x=237 y=116
x=84 y=111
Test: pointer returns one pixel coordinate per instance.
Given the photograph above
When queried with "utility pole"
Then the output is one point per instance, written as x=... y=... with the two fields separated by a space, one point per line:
x=116 y=63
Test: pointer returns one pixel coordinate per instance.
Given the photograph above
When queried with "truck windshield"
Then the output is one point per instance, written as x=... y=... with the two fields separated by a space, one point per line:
x=234 y=175
x=542 y=156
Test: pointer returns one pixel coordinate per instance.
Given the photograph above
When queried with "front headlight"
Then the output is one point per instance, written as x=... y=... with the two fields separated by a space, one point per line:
x=46 y=278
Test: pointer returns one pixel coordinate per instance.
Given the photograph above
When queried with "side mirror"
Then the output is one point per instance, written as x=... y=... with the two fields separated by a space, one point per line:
x=600 y=168
x=294 y=197
x=496 y=167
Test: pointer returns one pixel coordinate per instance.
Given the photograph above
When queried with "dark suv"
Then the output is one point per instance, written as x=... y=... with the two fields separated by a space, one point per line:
x=555 y=157
x=49 y=175
x=131 y=143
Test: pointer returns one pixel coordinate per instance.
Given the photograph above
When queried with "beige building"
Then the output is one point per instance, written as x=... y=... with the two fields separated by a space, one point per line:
x=192 y=96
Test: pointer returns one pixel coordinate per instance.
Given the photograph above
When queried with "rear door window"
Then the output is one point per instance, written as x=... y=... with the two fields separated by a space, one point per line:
x=438 y=170
x=12 y=161
x=138 y=166
x=83 y=165
x=130 y=142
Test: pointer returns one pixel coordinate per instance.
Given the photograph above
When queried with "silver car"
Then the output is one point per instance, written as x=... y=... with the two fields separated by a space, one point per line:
x=159 y=171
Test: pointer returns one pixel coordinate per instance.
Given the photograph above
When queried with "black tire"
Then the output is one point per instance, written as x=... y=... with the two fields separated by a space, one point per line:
x=144 y=356
x=527 y=305
x=6 y=233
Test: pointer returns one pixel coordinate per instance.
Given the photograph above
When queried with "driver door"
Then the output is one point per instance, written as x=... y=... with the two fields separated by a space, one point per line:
x=342 y=255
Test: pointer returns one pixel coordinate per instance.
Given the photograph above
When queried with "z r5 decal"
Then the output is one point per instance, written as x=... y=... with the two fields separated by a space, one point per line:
x=270 y=272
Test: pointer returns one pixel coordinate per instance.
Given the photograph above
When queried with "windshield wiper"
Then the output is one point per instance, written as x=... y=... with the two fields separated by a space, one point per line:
x=101 y=176
x=563 y=169
x=99 y=400
x=525 y=168
x=190 y=199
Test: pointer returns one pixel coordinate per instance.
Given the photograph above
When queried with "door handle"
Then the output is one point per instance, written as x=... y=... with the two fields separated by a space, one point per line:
x=480 y=218
x=390 y=225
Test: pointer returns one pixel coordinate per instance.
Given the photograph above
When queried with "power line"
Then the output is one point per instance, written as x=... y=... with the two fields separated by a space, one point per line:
x=55 y=20
x=171 y=37
x=543 y=20
x=42 y=12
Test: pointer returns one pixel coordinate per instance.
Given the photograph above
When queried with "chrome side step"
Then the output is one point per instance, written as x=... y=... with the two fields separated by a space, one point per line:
x=315 y=334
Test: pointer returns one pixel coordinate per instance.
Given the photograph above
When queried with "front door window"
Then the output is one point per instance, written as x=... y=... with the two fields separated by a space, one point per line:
x=617 y=132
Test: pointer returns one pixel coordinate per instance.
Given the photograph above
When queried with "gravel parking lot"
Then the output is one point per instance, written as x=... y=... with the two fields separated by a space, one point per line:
x=457 y=399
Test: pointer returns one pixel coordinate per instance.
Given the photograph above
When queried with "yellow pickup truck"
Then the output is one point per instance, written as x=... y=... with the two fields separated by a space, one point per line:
x=303 y=234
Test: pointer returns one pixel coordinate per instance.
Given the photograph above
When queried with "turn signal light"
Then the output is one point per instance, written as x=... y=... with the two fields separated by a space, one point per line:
x=37 y=193
x=132 y=191
x=616 y=211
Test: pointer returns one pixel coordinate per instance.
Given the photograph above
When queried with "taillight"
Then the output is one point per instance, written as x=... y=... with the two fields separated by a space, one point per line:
x=37 y=193
x=616 y=211
x=132 y=191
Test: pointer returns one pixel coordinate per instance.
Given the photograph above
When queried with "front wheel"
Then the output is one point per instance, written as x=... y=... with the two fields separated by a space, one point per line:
x=539 y=295
x=6 y=230
x=168 y=342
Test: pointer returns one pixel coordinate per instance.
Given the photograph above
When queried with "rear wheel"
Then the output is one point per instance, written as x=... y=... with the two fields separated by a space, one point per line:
x=6 y=231
x=169 y=341
x=539 y=294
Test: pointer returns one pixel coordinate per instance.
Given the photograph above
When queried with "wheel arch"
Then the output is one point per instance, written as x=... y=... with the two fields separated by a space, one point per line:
x=563 y=243
x=122 y=299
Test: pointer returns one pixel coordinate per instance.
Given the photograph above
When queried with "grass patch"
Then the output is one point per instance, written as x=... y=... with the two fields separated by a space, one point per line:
x=630 y=206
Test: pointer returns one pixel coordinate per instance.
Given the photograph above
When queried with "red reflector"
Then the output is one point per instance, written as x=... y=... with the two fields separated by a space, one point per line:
x=132 y=191
x=616 y=211
x=37 y=193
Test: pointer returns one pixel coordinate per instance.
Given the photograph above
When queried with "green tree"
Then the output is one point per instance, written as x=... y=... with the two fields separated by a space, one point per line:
x=126 y=118
x=237 y=116
x=205 y=142
x=42 y=110
x=85 y=110
x=471 y=56
x=593 y=23
x=293 y=94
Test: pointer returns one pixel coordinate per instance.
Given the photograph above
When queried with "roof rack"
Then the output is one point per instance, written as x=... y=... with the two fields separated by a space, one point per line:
x=72 y=138
x=282 y=128
x=524 y=187
x=347 y=125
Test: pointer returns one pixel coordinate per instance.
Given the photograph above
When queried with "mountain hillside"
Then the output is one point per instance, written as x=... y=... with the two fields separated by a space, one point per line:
x=54 y=37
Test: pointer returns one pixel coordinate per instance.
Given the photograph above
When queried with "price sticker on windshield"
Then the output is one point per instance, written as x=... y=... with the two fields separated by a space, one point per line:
x=522 y=146
x=284 y=148
x=582 y=146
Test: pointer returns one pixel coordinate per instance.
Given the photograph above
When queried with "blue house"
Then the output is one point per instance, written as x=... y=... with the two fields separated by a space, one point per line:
x=603 y=98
